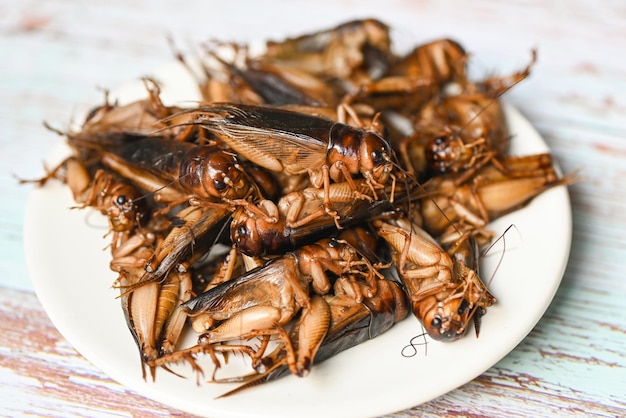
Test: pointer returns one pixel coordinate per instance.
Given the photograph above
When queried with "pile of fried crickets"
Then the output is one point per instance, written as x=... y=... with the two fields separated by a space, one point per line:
x=268 y=217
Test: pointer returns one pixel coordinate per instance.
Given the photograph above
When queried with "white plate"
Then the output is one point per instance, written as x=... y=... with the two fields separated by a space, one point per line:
x=73 y=281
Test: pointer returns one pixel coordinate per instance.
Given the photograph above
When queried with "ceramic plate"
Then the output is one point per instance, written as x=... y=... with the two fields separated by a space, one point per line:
x=64 y=249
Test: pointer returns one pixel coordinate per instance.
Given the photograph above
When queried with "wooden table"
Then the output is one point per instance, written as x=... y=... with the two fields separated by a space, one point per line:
x=56 y=55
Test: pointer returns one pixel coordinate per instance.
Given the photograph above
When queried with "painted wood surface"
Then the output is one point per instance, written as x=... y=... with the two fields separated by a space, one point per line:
x=55 y=56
